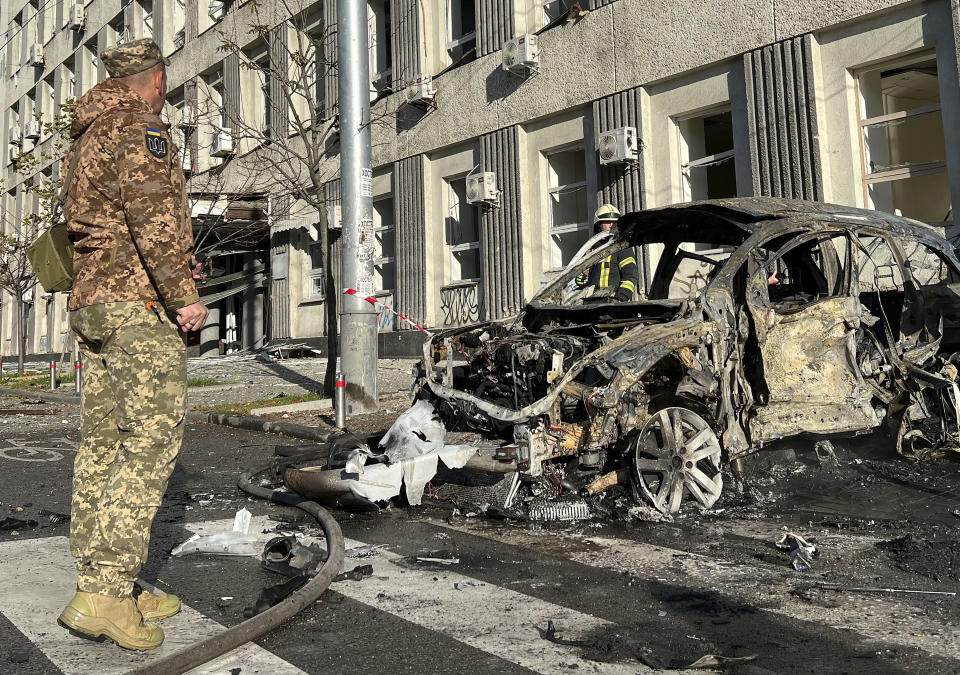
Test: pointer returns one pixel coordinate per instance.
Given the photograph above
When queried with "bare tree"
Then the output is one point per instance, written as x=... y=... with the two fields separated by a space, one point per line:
x=294 y=134
x=16 y=274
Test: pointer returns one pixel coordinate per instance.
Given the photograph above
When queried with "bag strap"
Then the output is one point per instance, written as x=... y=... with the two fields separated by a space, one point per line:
x=65 y=188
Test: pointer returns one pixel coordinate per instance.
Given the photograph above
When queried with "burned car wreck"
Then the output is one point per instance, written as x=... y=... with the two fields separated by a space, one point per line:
x=760 y=319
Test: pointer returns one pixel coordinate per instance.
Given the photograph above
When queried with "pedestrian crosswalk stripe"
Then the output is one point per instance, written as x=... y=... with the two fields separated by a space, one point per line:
x=38 y=577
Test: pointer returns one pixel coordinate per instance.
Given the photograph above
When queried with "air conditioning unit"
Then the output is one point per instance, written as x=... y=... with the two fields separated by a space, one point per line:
x=13 y=152
x=521 y=54
x=482 y=188
x=222 y=143
x=36 y=54
x=76 y=16
x=215 y=10
x=187 y=117
x=15 y=138
x=32 y=130
x=421 y=90
x=619 y=146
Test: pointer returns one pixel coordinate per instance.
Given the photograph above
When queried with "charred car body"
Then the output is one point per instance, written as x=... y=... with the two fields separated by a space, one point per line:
x=762 y=319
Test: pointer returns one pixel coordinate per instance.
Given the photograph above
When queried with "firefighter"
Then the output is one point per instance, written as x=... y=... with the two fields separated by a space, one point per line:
x=616 y=276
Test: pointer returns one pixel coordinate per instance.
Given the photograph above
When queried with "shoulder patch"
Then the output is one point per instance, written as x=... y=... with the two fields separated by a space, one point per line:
x=156 y=142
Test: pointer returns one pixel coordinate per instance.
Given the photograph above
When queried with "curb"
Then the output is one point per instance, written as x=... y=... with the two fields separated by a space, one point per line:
x=246 y=422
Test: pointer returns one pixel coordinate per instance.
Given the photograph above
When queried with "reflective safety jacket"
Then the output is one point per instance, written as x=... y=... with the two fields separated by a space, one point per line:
x=616 y=276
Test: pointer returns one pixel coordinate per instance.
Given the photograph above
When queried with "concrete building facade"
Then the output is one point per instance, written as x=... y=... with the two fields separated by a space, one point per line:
x=856 y=103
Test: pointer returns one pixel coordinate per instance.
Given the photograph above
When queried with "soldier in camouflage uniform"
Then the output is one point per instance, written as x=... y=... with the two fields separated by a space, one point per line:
x=133 y=297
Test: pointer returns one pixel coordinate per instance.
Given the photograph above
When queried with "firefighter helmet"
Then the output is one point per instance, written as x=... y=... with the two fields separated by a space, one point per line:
x=606 y=212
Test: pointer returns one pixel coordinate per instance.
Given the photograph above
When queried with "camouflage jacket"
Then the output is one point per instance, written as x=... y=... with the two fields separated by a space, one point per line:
x=126 y=208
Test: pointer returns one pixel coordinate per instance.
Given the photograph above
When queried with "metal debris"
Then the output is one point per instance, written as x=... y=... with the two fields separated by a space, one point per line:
x=543 y=511
x=802 y=552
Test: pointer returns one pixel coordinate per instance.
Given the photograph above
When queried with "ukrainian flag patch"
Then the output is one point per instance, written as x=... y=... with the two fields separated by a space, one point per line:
x=156 y=142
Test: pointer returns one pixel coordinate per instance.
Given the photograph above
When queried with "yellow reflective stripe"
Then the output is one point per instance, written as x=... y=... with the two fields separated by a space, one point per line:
x=605 y=272
x=626 y=283
x=628 y=261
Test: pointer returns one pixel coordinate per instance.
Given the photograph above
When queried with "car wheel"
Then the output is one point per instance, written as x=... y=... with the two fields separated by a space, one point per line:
x=675 y=455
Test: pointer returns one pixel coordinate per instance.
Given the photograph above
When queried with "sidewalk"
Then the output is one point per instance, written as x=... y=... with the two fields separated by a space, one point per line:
x=246 y=378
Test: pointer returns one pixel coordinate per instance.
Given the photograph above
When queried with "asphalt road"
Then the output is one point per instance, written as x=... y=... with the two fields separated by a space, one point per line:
x=622 y=597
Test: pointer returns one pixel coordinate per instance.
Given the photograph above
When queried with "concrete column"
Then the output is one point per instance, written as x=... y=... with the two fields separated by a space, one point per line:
x=210 y=334
x=251 y=335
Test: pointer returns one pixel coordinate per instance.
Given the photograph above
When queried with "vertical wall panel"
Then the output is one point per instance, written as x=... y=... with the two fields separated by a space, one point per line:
x=231 y=90
x=782 y=120
x=411 y=230
x=330 y=56
x=501 y=241
x=494 y=25
x=278 y=64
x=619 y=184
x=405 y=42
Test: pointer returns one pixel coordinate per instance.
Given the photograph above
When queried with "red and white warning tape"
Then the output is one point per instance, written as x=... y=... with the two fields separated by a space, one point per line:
x=376 y=303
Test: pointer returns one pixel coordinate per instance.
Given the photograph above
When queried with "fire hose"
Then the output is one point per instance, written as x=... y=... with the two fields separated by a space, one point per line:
x=261 y=624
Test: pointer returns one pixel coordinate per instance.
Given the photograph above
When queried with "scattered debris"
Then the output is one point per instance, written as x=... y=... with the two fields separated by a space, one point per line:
x=460 y=585
x=53 y=517
x=544 y=511
x=867 y=589
x=826 y=453
x=16 y=524
x=801 y=551
x=286 y=555
x=236 y=542
x=274 y=594
x=439 y=561
x=364 y=551
x=358 y=573
x=714 y=661
x=649 y=514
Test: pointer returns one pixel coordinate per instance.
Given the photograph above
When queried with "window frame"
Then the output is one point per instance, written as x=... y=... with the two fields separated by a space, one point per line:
x=900 y=173
x=453 y=249
x=551 y=190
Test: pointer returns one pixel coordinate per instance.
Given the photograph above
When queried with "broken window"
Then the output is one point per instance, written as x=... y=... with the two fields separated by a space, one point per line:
x=807 y=270
x=707 y=157
x=902 y=141
x=462 y=233
x=461 y=28
x=567 y=194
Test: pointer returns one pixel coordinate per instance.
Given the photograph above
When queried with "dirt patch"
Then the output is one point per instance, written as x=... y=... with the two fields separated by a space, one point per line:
x=937 y=560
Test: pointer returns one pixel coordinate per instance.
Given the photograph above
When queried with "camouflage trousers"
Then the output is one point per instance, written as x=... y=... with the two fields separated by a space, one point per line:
x=133 y=406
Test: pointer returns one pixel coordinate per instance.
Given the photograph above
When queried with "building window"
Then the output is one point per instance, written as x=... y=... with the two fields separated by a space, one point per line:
x=378 y=36
x=461 y=28
x=462 y=233
x=179 y=23
x=266 y=106
x=316 y=288
x=902 y=141
x=554 y=9
x=147 y=18
x=707 y=168
x=385 y=269
x=567 y=194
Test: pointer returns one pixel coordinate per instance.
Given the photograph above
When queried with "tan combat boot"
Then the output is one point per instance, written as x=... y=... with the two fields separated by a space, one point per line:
x=103 y=617
x=154 y=607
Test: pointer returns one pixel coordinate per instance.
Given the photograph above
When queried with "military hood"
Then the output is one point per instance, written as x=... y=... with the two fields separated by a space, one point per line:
x=108 y=95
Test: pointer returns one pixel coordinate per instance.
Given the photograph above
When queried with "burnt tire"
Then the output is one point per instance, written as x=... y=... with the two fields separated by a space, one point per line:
x=676 y=456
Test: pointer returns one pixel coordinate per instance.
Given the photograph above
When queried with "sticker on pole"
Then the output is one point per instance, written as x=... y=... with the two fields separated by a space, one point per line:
x=366 y=182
